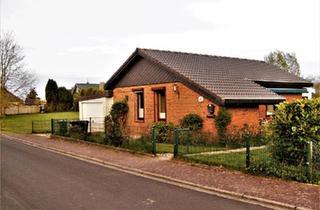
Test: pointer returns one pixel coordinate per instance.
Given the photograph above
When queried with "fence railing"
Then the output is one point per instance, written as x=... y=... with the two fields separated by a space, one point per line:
x=301 y=165
x=247 y=155
x=96 y=124
x=41 y=126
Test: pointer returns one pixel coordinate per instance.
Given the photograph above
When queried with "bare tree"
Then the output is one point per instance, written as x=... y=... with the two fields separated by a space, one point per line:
x=13 y=73
x=285 y=61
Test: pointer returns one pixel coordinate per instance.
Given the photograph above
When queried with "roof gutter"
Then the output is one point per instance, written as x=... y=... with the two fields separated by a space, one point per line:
x=289 y=90
x=252 y=101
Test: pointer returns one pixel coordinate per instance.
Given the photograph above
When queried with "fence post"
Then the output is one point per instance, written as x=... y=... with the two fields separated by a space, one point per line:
x=90 y=124
x=247 y=152
x=309 y=161
x=154 y=152
x=52 y=126
x=175 y=143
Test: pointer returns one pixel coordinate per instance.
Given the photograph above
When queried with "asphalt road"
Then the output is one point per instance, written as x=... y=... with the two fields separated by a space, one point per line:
x=32 y=178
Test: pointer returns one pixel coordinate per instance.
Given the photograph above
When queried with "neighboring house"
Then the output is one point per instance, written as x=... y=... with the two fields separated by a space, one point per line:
x=84 y=86
x=11 y=104
x=165 y=86
x=7 y=100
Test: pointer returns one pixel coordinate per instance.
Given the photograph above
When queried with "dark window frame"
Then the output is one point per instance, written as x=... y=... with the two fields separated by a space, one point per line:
x=158 y=93
x=139 y=97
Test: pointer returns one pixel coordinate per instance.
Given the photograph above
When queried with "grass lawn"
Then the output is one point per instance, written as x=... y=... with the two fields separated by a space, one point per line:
x=23 y=123
x=235 y=160
x=183 y=149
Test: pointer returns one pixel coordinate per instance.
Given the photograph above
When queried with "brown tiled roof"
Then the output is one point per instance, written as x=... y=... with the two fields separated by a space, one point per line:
x=228 y=79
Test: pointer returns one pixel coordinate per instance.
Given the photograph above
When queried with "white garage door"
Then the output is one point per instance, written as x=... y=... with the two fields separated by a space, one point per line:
x=93 y=110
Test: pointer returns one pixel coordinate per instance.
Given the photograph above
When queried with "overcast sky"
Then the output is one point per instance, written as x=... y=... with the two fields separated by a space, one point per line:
x=87 y=40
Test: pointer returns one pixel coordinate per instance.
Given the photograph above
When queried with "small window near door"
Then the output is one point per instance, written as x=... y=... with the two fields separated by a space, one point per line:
x=270 y=110
x=140 y=105
x=161 y=96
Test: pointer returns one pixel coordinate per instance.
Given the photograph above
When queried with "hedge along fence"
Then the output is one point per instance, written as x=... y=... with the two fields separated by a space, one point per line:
x=295 y=138
x=294 y=126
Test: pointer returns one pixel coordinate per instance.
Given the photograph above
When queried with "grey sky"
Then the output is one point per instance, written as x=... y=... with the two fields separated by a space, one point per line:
x=79 y=40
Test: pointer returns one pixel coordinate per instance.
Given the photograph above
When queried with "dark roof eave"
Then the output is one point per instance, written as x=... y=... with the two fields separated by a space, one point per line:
x=284 y=84
x=109 y=83
x=253 y=101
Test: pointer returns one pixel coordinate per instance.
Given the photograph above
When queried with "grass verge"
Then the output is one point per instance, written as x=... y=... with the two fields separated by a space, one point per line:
x=23 y=123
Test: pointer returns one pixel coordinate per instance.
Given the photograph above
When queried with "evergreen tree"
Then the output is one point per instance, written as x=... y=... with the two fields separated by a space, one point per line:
x=51 y=95
x=32 y=94
x=51 y=92
x=65 y=99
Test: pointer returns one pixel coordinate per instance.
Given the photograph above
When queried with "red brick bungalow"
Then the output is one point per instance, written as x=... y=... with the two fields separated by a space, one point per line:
x=165 y=86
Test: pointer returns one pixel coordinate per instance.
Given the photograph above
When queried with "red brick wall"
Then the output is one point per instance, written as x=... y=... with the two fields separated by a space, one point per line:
x=292 y=97
x=179 y=104
x=242 y=115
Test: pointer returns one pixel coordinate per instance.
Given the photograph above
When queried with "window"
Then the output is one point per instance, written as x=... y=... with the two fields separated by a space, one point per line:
x=161 y=102
x=140 y=105
x=270 y=110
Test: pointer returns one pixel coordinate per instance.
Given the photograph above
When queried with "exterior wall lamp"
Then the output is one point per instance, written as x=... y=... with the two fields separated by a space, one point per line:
x=175 y=88
x=211 y=109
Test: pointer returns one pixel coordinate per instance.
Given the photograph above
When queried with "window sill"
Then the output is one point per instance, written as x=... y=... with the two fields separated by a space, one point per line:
x=139 y=121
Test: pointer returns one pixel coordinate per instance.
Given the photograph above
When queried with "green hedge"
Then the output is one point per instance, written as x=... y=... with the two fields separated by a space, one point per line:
x=294 y=124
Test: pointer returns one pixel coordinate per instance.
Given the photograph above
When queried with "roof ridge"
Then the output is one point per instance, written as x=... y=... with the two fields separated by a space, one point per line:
x=201 y=54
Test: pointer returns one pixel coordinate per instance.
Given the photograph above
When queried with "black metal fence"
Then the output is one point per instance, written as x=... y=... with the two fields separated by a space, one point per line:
x=247 y=155
x=41 y=126
x=301 y=165
x=62 y=126
x=95 y=124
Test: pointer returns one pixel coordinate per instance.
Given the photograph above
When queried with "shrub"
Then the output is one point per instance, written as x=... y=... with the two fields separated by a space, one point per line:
x=201 y=138
x=192 y=121
x=142 y=144
x=164 y=132
x=113 y=132
x=222 y=120
x=79 y=129
x=114 y=124
x=77 y=132
x=98 y=137
x=237 y=137
x=119 y=111
x=269 y=167
x=294 y=124
x=50 y=107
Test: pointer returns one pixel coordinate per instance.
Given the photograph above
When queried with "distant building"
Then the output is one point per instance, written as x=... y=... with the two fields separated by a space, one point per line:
x=84 y=86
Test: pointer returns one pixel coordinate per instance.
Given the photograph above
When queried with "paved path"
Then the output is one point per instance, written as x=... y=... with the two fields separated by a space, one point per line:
x=225 y=151
x=37 y=179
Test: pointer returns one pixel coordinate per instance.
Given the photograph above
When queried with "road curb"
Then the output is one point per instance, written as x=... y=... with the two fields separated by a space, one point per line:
x=165 y=179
